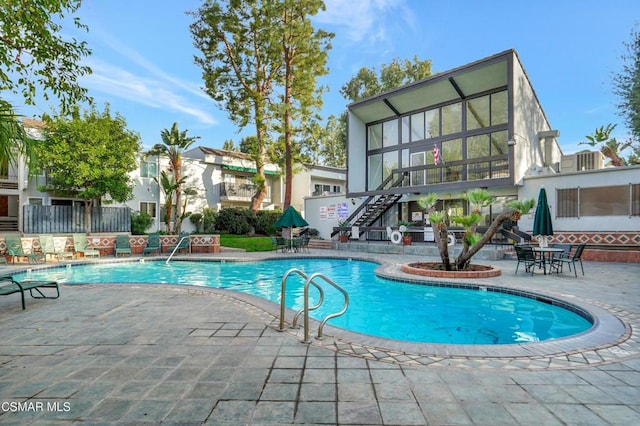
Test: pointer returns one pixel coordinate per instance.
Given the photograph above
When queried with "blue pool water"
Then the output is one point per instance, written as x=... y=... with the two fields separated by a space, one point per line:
x=379 y=307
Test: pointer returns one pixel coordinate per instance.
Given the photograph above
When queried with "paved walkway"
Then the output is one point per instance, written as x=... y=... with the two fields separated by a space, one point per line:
x=107 y=354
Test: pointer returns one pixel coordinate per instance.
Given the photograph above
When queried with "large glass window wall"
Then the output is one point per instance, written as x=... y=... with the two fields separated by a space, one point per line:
x=471 y=137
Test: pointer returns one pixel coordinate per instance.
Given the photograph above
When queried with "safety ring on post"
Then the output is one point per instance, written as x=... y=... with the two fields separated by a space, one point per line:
x=451 y=239
x=396 y=237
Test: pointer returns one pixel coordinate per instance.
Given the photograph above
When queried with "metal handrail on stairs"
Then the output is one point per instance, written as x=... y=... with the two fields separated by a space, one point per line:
x=310 y=281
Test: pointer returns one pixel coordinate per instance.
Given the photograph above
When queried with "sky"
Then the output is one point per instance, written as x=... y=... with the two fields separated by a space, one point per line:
x=143 y=54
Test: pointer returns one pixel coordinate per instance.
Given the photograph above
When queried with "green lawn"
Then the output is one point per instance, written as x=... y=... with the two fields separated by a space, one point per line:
x=246 y=243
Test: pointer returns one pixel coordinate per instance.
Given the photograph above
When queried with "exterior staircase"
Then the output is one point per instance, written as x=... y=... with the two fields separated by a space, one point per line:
x=376 y=205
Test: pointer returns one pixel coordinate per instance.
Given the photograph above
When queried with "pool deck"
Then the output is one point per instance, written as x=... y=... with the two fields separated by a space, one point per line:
x=114 y=354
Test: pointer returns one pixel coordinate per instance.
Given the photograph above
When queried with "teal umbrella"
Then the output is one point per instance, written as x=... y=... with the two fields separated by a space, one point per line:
x=542 y=221
x=291 y=219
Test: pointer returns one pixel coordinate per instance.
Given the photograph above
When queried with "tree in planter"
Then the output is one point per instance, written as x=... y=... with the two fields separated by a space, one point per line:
x=472 y=241
x=89 y=156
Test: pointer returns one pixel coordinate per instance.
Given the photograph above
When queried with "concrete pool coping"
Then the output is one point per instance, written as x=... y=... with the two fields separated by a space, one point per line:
x=604 y=342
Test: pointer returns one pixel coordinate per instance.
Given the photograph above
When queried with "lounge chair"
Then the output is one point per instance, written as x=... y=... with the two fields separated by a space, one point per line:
x=528 y=257
x=153 y=244
x=46 y=245
x=184 y=243
x=571 y=260
x=81 y=245
x=9 y=286
x=55 y=246
x=15 y=249
x=60 y=247
x=122 y=245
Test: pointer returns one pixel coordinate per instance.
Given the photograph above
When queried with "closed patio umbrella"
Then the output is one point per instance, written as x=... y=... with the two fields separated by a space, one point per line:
x=542 y=221
x=291 y=219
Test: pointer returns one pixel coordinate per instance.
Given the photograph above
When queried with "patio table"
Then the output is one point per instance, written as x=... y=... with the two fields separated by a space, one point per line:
x=546 y=255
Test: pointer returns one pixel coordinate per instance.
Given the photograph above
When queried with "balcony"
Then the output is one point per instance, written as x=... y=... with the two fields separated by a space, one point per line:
x=240 y=192
x=8 y=182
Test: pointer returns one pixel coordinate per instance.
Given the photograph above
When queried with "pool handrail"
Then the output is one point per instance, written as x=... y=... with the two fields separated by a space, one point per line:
x=176 y=248
x=282 y=296
x=328 y=317
x=310 y=280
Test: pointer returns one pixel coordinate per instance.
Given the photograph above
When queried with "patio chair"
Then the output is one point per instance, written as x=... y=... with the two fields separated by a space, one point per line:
x=122 y=245
x=277 y=243
x=81 y=245
x=302 y=244
x=526 y=255
x=153 y=244
x=571 y=260
x=15 y=249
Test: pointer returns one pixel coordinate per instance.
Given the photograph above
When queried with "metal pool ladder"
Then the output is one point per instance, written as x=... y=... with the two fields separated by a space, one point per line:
x=310 y=280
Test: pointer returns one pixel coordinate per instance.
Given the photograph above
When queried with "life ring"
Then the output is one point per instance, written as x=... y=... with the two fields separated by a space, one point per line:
x=396 y=237
x=451 y=239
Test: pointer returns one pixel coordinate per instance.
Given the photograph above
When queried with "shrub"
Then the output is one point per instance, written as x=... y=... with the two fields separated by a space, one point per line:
x=140 y=222
x=313 y=232
x=235 y=220
x=196 y=220
x=209 y=216
x=265 y=220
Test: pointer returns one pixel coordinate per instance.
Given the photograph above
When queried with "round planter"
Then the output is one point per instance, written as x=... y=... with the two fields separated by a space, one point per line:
x=429 y=269
x=344 y=238
x=406 y=240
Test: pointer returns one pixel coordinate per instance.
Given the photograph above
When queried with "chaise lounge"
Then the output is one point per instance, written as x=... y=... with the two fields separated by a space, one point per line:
x=9 y=286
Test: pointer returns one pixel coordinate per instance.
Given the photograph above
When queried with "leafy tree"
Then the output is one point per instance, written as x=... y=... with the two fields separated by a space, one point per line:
x=334 y=146
x=260 y=60
x=89 y=156
x=174 y=143
x=304 y=54
x=627 y=86
x=608 y=146
x=35 y=59
x=367 y=82
x=238 y=69
x=229 y=145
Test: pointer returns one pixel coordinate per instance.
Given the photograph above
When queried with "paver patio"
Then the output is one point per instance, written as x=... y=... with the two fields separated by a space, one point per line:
x=129 y=354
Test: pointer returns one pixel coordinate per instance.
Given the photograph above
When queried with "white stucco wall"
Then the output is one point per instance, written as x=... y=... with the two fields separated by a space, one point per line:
x=322 y=212
x=585 y=179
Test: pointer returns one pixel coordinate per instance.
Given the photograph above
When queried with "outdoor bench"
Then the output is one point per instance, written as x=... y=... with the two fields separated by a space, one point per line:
x=8 y=286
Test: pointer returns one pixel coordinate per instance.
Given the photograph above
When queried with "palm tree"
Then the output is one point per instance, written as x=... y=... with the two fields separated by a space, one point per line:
x=609 y=147
x=174 y=143
x=14 y=140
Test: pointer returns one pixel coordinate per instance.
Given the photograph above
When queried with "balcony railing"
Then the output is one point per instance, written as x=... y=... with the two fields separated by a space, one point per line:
x=8 y=182
x=242 y=191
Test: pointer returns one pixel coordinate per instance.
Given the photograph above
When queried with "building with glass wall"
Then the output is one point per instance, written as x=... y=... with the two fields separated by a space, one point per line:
x=479 y=125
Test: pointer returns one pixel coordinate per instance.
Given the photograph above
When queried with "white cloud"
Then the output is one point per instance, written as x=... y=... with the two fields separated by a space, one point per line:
x=365 y=19
x=155 y=93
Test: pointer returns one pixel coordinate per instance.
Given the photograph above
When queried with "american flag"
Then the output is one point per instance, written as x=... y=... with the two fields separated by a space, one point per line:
x=436 y=155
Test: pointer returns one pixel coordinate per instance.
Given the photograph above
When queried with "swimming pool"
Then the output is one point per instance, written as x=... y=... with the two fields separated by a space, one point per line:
x=378 y=306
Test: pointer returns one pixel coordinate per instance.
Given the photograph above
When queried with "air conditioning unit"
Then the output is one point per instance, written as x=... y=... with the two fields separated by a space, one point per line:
x=591 y=160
